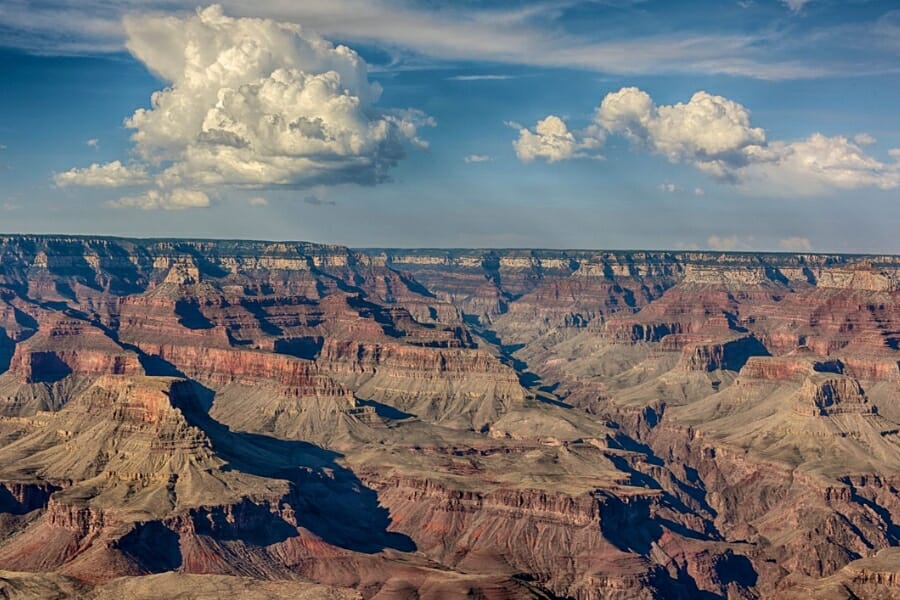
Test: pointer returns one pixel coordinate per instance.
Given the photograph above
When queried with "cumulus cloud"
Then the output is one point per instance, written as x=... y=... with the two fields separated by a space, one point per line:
x=111 y=174
x=551 y=140
x=93 y=143
x=864 y=139
x=177 y=199
x=254 y=103
x=711 y=131
x=715 y=135
x=816 y=165
x=477 y=158
x=699 y=191
x=795 y=244
x=261 y=103
x=257 y=201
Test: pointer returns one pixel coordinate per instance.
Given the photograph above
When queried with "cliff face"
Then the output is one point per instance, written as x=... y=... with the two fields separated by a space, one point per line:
x=249 y=416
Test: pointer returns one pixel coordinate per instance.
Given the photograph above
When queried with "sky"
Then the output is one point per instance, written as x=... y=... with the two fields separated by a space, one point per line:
x=699 y=124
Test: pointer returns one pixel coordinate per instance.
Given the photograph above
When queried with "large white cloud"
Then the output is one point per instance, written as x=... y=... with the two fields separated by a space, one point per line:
x=716 y=135
x=711 y=131
x=818 y=164
x=257 y=103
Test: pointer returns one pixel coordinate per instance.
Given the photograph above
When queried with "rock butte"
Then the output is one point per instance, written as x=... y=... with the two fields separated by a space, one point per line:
x=270 y=420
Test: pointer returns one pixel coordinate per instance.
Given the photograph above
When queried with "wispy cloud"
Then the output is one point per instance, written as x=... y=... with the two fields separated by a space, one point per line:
x=795 y=244
x=531 y=35
x=481 y=77
x=796 y=5
x=478 y=158
x=177 y=199
x=314 y=200
x=729 y=243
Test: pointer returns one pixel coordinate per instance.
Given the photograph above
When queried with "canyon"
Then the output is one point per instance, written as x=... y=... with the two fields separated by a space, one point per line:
x=217 y=418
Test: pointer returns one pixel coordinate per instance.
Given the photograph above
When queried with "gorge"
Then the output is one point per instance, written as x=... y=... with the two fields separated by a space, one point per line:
x=288 y=419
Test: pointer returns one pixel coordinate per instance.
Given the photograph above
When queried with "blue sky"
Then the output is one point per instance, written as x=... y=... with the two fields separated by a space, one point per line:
x=526 y=124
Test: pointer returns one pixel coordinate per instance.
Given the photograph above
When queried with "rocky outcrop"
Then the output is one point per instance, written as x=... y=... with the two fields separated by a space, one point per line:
x=872 y=577
x=475 y=529
x=730 y=355
x=47 y=366
x=786 y=368
x=456 y=388
x=292 y=376
x=24 y=497
x=829 y=395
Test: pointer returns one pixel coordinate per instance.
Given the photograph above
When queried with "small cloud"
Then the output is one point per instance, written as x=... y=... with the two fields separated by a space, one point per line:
x=795 y=244
x=796 y=5
x=177 y=199
x=669 y=187
x=745 y=3
x=513 y=124
x=257 y=201
x=93 y=143
x=686 y=246
x=864 y=139
x=478 y=158
x=553 y=141
x=9 y=206
x=481 y=77
x=112 y=174
x=316 y=201
x=728 y=243
x=894 y=153
x=699 y=191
